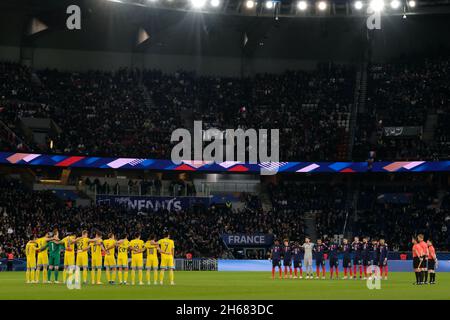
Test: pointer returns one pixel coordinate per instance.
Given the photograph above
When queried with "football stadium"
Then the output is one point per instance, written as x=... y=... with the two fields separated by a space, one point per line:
x=224 y=150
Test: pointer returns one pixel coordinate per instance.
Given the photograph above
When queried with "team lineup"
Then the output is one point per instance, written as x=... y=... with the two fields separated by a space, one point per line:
x=369 y=257
x=103 y=254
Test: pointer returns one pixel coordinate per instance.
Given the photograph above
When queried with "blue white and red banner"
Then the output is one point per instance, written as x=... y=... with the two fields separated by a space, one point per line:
x=63 y=161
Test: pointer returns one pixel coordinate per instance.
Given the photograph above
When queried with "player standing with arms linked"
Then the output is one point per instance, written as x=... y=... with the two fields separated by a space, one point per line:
x=82 y=254
x=346 y=257
x=30 y=251
x=357 y=261
x=122 y=258
x=137 y=258
x=167 y=251
x=297 y=257
x=383 y=263
x=308 y=258
x=110 y=258
x=152 y=259
x=374 y=254
x=319 y=249
x=54 y=249
x=275 y=256
x=42 y=259
x=365 y=255
x=69 y=255
x=96 y=257
x=287 y=258
x=334 y=261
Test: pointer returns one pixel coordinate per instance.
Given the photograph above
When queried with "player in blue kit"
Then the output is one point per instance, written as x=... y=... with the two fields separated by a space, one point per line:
x=383 y=258
x=333 y=250
x=365 y=255
x=374 y=254
x=319 y=250
x=346 y=249
x=287 y=258
x=275 y=256
x=297 y=253
x=357 y=261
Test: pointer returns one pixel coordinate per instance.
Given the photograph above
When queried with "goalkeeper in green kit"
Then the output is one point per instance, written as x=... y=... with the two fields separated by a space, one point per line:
x=54 y=255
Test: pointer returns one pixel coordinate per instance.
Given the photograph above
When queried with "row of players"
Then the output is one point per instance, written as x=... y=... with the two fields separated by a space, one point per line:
x=103 y=253
x=364 y=254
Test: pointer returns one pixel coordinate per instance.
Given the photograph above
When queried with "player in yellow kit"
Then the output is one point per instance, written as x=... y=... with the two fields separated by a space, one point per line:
x=167 y=251
x=122 y=258
x=137 y=260
x=69 y=255
x=110 y=259
x=82 y=254
x=152 y=259
x=42 y=259
x=30 y=250
x=96 y=257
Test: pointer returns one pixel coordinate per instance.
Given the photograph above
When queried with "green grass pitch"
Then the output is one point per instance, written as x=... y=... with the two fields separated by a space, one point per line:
x=231 y=285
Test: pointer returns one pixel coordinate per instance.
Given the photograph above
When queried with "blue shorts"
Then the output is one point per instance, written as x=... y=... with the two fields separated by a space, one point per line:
x=334 y=262
x=346 y=262
x=276 y=263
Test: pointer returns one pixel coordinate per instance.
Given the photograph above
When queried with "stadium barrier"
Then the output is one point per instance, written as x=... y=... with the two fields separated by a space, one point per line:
x=266 y=265
x=196 y=264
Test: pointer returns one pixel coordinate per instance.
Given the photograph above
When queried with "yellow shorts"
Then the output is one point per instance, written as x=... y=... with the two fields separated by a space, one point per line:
x=110 y=262
x=137 y=261
x=82 y=260
x=42 y=259
x=167 y=262
x=96 y=262
x=31 y=263
x=151 y=263
x=69 y=259
x=122 y=261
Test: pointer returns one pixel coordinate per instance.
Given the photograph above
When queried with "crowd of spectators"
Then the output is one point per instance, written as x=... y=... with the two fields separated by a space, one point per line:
x=399 y=212
x=132 y=113
x=327 y=203
x=403 y=94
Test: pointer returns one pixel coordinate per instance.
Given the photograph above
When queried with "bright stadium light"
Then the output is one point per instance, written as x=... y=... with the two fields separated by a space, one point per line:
x=215 y=3
x=250 y=4
x=269 y=4
x=395 y=4
x=358 y=5
x=377 y=5
x=412 y=3
x=322 y=5
x=302 y=5
x=198 y=3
